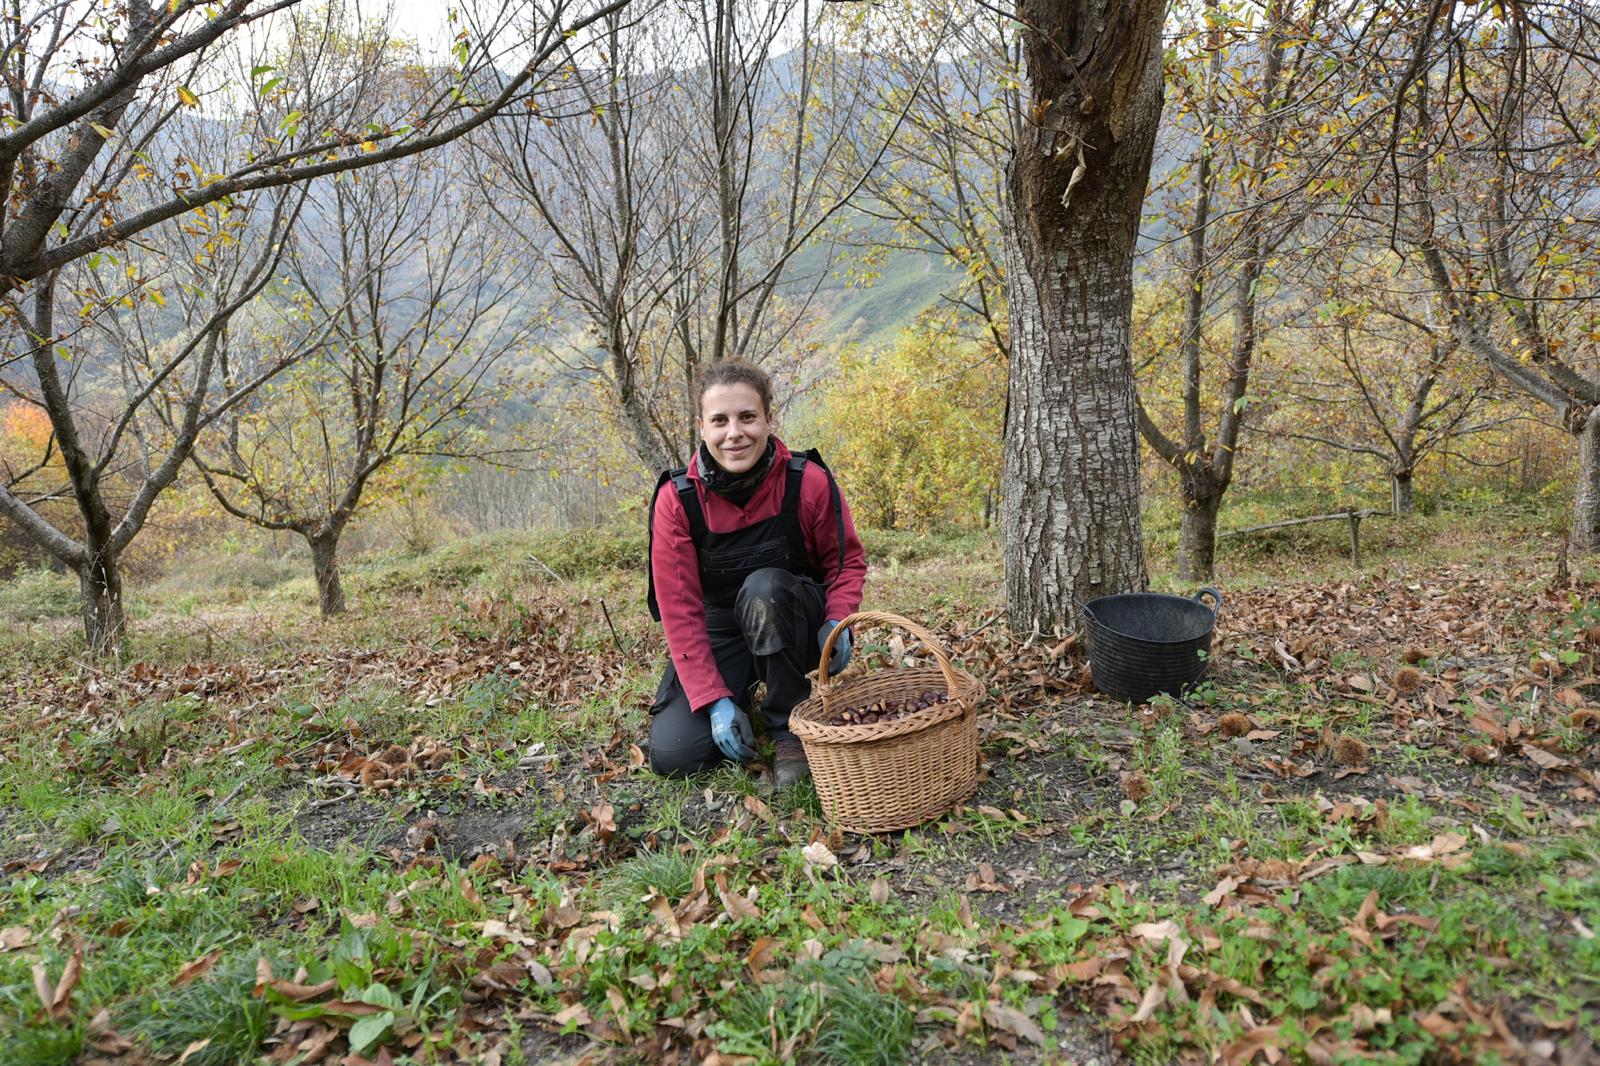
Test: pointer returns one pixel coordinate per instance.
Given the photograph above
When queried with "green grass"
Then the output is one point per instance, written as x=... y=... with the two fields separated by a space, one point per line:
x=119 y=791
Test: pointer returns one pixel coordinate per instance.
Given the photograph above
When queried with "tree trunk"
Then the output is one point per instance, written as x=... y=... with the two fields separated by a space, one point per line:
x=325 y=564
x=1197 y=537
x=1402 y=498
x=104 y=623
x=1070 y=500
x=1586 y=500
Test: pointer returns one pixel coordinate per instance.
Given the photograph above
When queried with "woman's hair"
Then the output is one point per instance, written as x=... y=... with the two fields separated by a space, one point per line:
x=734 y=372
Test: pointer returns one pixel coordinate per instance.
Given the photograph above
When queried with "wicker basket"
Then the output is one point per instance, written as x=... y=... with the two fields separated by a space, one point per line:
x=881 y=776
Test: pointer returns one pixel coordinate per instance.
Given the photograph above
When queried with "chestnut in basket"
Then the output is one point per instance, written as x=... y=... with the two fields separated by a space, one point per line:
x=889 y=710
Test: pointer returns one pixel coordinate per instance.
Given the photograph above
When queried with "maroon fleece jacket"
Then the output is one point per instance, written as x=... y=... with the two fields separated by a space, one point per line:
x=677 y=569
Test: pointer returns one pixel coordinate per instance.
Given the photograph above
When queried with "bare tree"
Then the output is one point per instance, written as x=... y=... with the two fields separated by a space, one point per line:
x=1405 y=394
x=1492 y=190
x=941 y=188
x=418 y=292
x=672 y=216
x=98 y=101
x=1253 y=90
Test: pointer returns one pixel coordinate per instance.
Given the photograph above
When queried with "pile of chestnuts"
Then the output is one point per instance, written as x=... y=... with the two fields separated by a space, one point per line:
x=889 y=710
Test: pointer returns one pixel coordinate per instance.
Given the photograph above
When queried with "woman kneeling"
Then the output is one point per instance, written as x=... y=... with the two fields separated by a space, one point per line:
x=753 y=561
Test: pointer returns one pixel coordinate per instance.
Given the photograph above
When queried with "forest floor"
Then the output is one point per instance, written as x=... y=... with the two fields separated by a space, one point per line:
x=425 y=831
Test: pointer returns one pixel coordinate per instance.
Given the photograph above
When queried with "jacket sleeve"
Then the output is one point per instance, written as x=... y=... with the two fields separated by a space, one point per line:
x=683 y=613
x=844 y=584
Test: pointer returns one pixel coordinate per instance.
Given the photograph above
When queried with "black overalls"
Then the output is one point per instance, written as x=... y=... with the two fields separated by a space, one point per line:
x=764 y=602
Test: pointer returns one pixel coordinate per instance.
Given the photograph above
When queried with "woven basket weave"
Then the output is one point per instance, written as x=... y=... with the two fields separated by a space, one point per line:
x=882 y=776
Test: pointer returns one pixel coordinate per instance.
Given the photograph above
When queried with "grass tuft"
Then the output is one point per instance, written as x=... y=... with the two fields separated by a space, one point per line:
x=222 y=1009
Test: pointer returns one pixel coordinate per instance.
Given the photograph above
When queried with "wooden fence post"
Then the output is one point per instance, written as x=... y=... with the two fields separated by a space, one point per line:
x=1355 y=537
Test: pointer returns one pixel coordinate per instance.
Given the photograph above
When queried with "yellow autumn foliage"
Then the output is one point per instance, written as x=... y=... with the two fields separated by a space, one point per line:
x=914 y=433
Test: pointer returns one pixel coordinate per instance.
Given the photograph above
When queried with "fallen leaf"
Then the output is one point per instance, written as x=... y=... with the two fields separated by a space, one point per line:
x=196 y=969
x=14 y=938
x=1157 y=931
x=1152 y=999
x=1242 y=1050
x=662 y=909
x=1545 y=759
x=193 y=1049
x=577 y=1012
x=1011 y=1020
x=1223 y=890
x=603 y=817
x=879 y=891
x=736 y=905
x=817 y=854
x=57 y=998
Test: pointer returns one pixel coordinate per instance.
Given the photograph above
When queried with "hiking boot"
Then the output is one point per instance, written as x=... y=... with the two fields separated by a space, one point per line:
x=788 y=762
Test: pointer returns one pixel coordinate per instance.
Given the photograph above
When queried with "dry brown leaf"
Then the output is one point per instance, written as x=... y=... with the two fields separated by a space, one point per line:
x=577 y=1012
x=299 y=993
x=662 y=909
x=14 y=938
x=1546 y=760
x=1152 y=998
x=193 y=1049
x=1084 y=970
x=817 y=854
x=879 y=892
x=1011 y=1020
x=197 y=968
x=1242 y=1050
x=736 y=905
x=1223 y=890
x=57 y=998
x=603 y=817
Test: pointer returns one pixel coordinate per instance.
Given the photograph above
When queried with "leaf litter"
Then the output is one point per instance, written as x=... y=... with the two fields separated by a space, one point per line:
x=1474 y=690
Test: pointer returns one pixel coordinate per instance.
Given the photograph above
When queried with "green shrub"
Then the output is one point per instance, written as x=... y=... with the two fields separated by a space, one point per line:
x=569 y=553
x=34 y=595
x=884 y=545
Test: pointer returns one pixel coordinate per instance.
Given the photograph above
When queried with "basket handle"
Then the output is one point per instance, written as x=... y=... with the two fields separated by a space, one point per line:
x=884 y=618
x=1216 y=596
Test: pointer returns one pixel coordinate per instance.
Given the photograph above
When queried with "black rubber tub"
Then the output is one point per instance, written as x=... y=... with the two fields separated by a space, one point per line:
x=1144 y=643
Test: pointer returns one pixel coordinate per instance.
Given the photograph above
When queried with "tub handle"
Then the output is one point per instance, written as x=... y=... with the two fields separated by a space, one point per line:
x=1216 y=607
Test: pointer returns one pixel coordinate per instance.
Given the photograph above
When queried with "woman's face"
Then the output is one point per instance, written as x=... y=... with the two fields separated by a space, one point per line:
x=735 y=426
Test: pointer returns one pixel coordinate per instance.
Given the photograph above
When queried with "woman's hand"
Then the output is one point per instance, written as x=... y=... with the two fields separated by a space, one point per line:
x=730 y=728
x=841 y=647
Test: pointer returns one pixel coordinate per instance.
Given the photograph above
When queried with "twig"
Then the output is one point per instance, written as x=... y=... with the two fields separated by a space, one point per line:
x=618 y=640
x=534 y=558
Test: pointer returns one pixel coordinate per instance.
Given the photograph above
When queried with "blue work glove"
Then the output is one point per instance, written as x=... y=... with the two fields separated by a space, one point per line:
x=730 y=728
x=841 y=647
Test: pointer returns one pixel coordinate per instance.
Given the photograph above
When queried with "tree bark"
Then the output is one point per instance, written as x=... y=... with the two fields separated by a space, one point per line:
x=1197 y=537
x=1586 y=500
x=1402 y=501
x=325 y=564
x=104 y=622
x=1070 y=513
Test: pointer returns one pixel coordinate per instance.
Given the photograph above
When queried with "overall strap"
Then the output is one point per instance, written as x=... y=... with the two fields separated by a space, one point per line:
x=838 y=503
x=691 y=506
x=790 y=510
